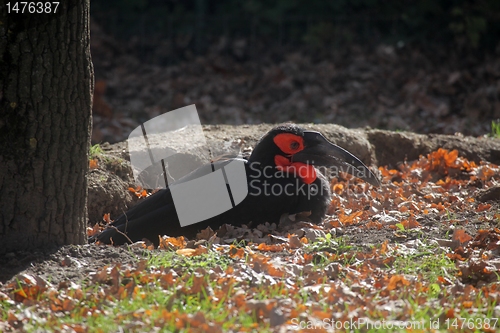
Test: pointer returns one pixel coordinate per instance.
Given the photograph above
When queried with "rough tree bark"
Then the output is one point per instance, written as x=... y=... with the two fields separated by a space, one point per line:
x=46 y=87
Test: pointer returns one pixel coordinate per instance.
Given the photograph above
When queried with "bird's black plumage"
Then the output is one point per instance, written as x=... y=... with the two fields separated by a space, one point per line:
x=281 y=179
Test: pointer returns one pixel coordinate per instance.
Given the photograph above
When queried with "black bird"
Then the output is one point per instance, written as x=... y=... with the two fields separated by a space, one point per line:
x=282 y=177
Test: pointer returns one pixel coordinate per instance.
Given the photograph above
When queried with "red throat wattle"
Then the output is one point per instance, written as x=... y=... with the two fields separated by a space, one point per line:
x=304 y=171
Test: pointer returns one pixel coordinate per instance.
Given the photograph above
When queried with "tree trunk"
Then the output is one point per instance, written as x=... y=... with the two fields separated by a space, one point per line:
x=46 y=82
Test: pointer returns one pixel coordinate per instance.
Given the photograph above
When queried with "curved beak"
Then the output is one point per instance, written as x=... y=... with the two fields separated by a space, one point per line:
x=319 y=151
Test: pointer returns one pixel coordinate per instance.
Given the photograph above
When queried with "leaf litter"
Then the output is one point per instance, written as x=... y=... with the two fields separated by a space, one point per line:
x=423 y=248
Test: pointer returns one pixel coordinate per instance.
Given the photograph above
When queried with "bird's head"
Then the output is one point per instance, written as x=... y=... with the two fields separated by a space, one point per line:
x=291 y=148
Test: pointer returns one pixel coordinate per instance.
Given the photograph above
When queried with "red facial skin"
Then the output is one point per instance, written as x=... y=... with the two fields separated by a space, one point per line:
x=291 y=144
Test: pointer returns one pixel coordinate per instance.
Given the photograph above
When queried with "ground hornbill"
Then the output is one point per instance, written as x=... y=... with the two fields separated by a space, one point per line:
x=282 y=177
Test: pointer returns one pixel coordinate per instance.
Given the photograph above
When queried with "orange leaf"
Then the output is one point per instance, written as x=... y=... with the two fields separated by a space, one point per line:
x=397 y=281
x=444 y=280
x=68 y=305
x=91 y=231
x=456 y=256
x=482 y=207
x=186 y=252
x=322 y=315
x=93 y=164
x=467 y=304
x=275 y=272
x=236 y=252
x=383 y=248
x=410 y=224
x=167 y=280
x=461 y=236
x=270 y=248
x=374 y=224
x=12 y=317
x=335 y=224
x=451 y=157
x=438 y=206
x=338 y=188
x=351 y=218
x=78 y=328
x=308 y=257
x=168 y=243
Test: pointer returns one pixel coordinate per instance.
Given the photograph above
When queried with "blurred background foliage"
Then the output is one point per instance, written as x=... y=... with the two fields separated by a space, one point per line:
x=429 y=66
x=317 y=24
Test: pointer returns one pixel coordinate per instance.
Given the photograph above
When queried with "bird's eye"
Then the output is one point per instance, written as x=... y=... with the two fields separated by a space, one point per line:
x=289 y=143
